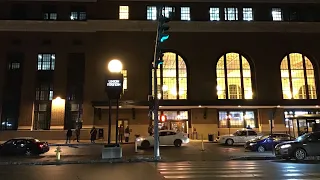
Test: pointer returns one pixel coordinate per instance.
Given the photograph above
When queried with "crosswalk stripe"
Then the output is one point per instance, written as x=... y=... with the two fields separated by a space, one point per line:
x=231 y=170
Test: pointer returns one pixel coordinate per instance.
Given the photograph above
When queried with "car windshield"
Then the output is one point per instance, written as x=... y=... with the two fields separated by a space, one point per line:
x=303 y=137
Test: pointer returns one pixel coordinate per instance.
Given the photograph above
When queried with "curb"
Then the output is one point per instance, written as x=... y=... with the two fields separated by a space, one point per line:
x=134 y=160
x=254 y=158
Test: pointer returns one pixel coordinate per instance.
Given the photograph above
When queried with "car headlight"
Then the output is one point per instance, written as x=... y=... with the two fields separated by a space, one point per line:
x=285 y=146
x=252 y=144
x=139 y=139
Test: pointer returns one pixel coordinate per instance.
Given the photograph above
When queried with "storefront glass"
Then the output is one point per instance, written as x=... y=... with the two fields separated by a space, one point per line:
x=176 y=120
x=237 y=119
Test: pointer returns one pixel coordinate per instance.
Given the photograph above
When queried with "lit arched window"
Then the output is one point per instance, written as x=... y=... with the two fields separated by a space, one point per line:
x=297 y=77
x=233 y=77
x=172 y=77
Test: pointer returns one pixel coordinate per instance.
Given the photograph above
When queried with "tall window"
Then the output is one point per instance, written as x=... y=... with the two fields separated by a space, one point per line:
x=237 y=119
x=125 y=79
x=50 y=13
x=233 y=77
x=297 y=77
x=123 y=12
x=276 y=14
x=46 y=61
x=214 y=14
x=231 y=14
x=42 y=107
x=247 y=14
x=151 y=13
x=185 y=13
x=167 y=10
x=172 y=77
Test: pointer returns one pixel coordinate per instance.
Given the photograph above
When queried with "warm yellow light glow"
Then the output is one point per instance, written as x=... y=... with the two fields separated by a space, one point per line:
x=159 y=96
x=58 y=102
x=248 y=95
x=165 y=88
x=115 y=66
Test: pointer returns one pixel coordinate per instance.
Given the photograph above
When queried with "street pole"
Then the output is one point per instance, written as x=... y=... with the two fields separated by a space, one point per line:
x=155 y=93
x=117 y=121
x=109 y=125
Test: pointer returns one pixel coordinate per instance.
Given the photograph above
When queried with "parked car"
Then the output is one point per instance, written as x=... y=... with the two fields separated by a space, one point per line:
x=24 y=146
x=305 y=145
x=166 y=137
x=239 y=137
x=268 y=142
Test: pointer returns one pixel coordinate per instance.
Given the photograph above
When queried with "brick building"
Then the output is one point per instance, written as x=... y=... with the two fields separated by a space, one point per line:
x=228 y=64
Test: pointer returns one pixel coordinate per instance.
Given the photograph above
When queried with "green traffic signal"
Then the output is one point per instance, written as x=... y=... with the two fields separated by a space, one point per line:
x=164 y=37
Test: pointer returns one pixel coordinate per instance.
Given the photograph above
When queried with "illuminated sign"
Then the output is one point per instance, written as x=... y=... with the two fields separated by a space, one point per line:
x=113 y=83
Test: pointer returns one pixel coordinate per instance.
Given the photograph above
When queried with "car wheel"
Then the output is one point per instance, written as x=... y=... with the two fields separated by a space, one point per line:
x=300 y=154
x=28 y=152
x=145 y=144
x=261 y=149
x=229 y=142
x=177 y=143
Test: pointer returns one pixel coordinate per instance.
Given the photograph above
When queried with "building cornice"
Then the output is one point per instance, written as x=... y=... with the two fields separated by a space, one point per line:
x=150 y=26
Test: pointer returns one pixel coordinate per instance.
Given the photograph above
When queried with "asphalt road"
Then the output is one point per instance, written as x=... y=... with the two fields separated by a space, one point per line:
x=189 y=152
x=196 y=170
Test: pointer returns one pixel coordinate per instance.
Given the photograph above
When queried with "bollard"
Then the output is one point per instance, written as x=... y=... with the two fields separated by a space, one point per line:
x=135 y=146
x=58 y=153
x=202 y=145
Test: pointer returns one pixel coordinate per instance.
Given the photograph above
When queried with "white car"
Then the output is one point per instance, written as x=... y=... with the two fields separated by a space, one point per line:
x=239 y=137
x=166 y=137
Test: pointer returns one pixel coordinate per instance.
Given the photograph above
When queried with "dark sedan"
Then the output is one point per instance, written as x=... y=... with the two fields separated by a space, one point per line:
x=268 y=142
x=305 y=145
x=24 y=146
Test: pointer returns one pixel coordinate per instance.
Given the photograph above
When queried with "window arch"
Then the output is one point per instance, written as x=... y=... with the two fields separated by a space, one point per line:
x=297 y=77
x=172 y=77
x=233 y=77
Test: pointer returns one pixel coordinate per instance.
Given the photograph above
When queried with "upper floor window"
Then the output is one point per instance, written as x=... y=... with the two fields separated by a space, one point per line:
x=123 y=12
x=46 y=61
x=297 y=77
x=50 y=13
x=78 y=15
x=14 y=65
x=44 y=92
x=233 y=77
x=231 y=14
x=247 y=14
x=277 y=14
x=151 y=13
x=125 y=79
x=214 y=14
x=185 y=13
x=172 y=77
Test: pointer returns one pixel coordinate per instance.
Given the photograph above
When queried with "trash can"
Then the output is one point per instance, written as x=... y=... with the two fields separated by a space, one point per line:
x=210 y=137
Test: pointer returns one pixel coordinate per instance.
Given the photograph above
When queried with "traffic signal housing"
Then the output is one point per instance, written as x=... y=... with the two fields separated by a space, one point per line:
x=163 y=28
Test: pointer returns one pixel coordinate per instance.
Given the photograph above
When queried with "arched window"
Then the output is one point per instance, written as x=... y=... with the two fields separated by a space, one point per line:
x=172 y=77
x=233 y=77
x=297 y=77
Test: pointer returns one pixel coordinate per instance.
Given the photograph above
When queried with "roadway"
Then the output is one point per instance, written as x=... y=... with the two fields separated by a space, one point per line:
x=188 y=170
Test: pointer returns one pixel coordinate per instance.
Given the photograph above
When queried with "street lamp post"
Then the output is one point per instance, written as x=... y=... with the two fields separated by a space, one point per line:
x=114 y=86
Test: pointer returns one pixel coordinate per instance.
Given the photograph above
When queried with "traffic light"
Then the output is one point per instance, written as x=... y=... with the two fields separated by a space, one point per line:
x=163 y=118
x=163 y=28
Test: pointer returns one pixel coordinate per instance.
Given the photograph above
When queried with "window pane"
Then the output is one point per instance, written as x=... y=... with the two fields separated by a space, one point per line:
x=231 y=14
x=169 y=76
x=151 y=13
x=223 y=115
x=167 y=11
x=123 y=12
x=46 y=61
x=185 y=13
x=276 y=14
x=247 y=14
x=236 y=119
x=214 y=14
x=250 y=119
x=182 y=78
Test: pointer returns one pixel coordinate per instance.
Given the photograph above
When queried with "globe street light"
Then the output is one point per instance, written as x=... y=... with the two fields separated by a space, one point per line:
x=114 y=90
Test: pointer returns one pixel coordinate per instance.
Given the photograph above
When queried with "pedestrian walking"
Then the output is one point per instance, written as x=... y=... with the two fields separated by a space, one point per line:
x=127 y=134
x=121 y=133
x=69 y=135
x=93 y=134
x=78 y=134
